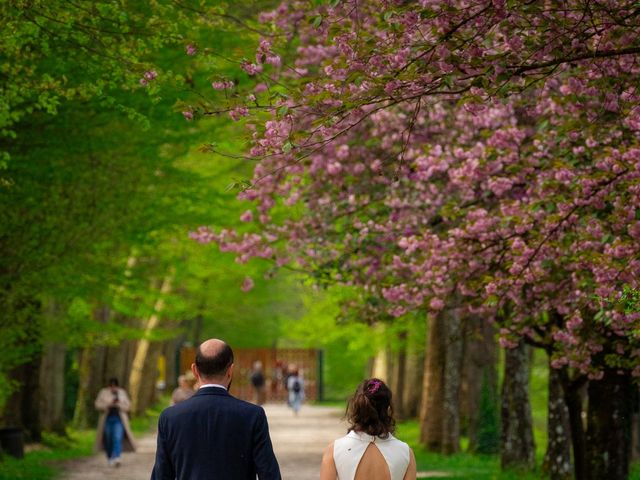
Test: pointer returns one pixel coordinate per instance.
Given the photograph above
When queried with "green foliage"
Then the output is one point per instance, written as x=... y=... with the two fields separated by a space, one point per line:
x=488 y=419
x=101 y=171
x=539 y=399
x=40 y=464
x=348 y=346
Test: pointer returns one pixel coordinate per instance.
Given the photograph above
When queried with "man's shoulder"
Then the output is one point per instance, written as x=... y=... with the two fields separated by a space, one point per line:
x=200 y=402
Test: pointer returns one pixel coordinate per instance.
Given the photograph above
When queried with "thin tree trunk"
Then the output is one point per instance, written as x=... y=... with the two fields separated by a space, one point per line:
x=380 y=368
x=574 y=400
x=52 y=383
x=452 y=374
x=80 y=415
x=399 y=372
x=517 y=444
x=137 y=367
x=431 y=409
x=557 y=460
x=635 y=426
x=413 y=379
x=609 y=426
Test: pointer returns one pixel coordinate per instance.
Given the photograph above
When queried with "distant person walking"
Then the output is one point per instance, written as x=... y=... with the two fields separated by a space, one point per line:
x=369 y=451
x=184 y=390
x=213 y=435
x=258 y=382
x=295 y=387
x=114 y=434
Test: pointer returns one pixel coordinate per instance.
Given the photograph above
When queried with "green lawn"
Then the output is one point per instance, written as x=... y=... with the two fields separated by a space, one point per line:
x=43 y=462
x=459 y=466
x=40 y=464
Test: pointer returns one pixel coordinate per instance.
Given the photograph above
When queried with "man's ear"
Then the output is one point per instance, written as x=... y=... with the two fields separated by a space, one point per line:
x=194 y=370
x=230 y=371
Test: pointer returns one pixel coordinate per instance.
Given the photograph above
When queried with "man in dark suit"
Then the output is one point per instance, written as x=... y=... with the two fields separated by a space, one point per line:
x=213 y=435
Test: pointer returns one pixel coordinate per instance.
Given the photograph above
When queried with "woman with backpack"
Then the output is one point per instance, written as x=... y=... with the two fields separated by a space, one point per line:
x=295 y=387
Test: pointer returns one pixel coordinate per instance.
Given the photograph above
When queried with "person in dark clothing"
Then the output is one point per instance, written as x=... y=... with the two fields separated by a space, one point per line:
x=258 y=383
x=213 y=435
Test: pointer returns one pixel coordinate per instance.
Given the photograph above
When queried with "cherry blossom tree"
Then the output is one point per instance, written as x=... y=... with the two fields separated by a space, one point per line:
x=482 y=156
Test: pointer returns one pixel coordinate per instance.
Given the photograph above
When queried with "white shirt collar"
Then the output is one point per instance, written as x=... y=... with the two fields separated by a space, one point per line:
x=368 y=438
x=212 y=385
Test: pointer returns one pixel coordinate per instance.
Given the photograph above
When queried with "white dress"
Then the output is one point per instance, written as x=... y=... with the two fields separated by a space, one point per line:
x=348 y=451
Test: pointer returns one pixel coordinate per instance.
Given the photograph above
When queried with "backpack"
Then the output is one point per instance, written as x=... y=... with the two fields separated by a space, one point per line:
x=257 y=379
x=296 y=387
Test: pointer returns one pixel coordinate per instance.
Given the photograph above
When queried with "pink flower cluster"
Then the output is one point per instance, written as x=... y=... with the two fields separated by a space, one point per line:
x=491 y=170
x=148 y=76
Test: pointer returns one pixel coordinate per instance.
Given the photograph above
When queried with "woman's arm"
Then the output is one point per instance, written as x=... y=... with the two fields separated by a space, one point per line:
x=328 y=467
x=102 y=401
x=123 y=400
x=411 y=469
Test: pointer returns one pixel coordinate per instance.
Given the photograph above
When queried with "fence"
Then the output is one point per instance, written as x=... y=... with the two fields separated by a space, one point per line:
x=275 y=364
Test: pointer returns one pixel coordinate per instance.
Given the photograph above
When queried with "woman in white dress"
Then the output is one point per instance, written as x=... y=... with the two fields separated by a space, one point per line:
x=369 y=451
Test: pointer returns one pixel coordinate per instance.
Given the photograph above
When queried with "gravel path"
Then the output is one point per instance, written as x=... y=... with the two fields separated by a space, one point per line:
x=298 y=443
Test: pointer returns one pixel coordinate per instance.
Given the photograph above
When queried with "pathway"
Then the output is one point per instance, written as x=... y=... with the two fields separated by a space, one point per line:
x=298 y=443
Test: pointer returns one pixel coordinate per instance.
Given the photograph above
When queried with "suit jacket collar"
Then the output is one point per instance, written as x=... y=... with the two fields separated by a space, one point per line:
x=212 y=391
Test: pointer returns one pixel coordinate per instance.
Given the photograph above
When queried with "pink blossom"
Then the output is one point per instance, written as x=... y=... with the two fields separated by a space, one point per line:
x=247 y=284
x=222 y=85
x=436 y=304
x=247 y=216
x=188 y=115
x=238 y=113
x=191 y=50
x=251 y=68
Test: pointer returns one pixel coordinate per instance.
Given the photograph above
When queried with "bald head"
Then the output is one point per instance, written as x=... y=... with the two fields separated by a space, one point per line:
x=213 y=359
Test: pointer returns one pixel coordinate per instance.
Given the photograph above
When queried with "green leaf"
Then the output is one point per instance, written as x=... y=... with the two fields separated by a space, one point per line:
x=317 y=21
x=283 y=110
x=286 y=148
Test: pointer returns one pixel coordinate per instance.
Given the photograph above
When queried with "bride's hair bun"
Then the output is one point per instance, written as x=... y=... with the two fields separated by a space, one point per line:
x=370 y=409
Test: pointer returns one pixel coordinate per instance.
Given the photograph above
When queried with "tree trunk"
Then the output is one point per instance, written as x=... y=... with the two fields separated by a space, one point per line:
x=517 y=444
x=399 y=375
x=574 y=399
x=479 y=377
x=635 y=426
x=413 y=378
x=80 y=416
x=52 y=383
x=380 y=367
x=609 y=426
x=557 y=460
x=148 y=389
x=431 y=408
x=452 y=374
x=137 y=367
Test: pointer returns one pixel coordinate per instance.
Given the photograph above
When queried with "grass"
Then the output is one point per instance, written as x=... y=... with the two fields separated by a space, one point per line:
x=461 y=465
x=43 y=463
x=40 y=464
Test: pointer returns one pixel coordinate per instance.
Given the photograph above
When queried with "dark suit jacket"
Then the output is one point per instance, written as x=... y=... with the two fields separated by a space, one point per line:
x=214 y=436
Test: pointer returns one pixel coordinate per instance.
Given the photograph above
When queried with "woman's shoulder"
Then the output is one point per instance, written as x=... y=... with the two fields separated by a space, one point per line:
x=328 y=449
